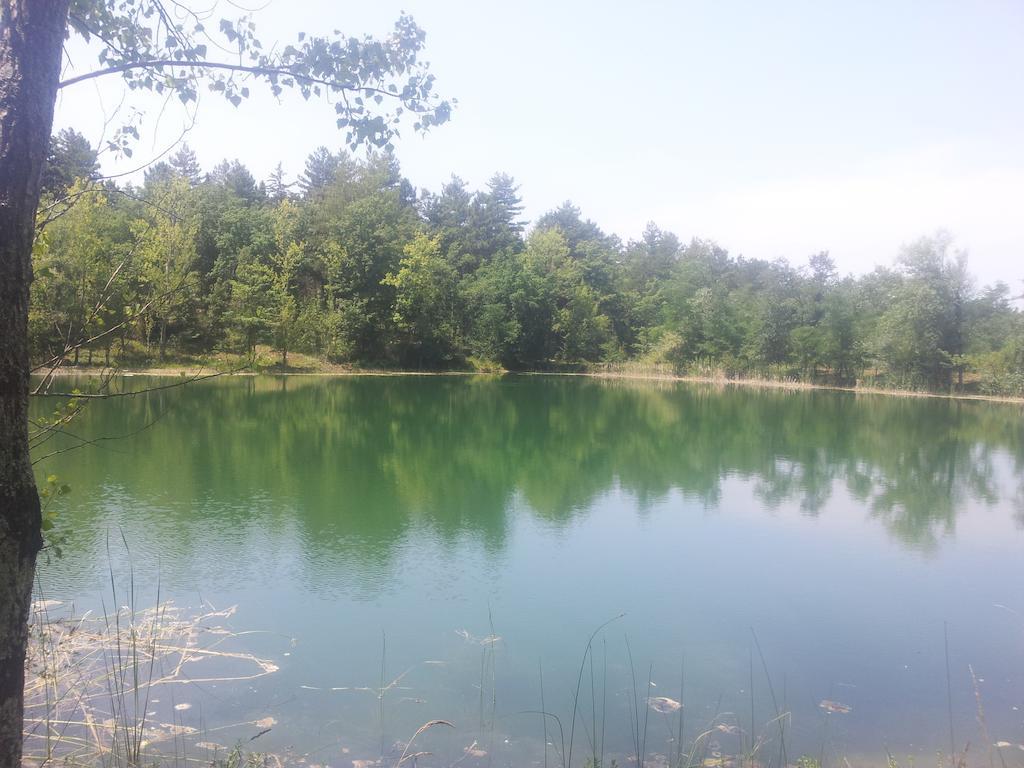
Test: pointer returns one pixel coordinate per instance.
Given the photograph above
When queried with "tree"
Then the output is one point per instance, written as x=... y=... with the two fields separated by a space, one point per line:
x=843 y=349
x=371 y=235
x=808 y=347
x=157 y=174
x=71 y=157
x=234 y=176
x=282 y=308
x=653 y=257
x=231 y=231
x=498 y=300
x=930 y=266
x=277 y=187
x=426 y=307
x=31 y=36
x=74 y=296
x=167 y=252
x=908 y=337
x=823 y=268
x=185 y=163
x=583 y=329
x=448 y=214
x=142 y=43
x=320 y=172
x=567 y=219
x=504 y=201
x=263 y=302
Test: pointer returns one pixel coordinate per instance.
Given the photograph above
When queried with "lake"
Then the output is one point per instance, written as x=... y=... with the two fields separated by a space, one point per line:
x=454 y=540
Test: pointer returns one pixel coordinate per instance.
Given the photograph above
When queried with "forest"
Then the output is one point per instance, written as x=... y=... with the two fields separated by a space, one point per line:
x=352 y=265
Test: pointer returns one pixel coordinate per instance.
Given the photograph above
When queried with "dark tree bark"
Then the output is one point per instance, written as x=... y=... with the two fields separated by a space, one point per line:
x=31 y=36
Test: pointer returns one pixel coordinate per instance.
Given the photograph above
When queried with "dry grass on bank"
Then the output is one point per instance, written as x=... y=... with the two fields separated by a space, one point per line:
x=268 y=362
x=110 y=690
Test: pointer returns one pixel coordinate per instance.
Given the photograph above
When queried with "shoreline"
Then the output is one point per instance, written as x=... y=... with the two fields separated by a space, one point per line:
x=194 y=372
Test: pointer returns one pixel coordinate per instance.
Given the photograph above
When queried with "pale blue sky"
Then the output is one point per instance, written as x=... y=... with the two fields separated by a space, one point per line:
x=775 y=128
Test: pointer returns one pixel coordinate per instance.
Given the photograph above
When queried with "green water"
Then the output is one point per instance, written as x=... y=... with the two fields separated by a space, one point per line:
x=408 y=517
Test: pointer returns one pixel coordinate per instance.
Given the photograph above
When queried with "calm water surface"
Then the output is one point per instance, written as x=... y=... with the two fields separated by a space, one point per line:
x=404 y=520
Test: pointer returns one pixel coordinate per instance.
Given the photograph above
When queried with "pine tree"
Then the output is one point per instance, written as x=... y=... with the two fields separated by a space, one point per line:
x=70 y=157
x=503 y=198
x=277 y=188
x=185 y=164
x=321 y=170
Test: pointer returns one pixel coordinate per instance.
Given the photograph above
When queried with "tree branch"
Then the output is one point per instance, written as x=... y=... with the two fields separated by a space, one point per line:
x=252 y=70
x=109 y=395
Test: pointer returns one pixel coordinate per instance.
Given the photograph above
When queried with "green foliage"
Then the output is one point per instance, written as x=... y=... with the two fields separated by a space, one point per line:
x=360 y=270
x=426 y=306
x=49 y=493
x=166 y=254
x=71 y=157
x=73 y=260
x=372 y=83
x=238 y=757
x=908 y=336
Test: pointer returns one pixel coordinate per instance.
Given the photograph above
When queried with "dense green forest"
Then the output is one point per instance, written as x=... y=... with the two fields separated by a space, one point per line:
x=353 y=265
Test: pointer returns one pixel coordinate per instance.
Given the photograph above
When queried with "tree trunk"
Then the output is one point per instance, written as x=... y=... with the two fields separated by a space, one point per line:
x=31 y=36
x=163 y=339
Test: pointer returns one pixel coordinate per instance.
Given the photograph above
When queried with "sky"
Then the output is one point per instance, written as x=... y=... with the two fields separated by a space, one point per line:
x=777 y=129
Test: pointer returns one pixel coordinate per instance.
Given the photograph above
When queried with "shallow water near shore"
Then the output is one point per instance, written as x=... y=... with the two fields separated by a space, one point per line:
x=448 y=540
